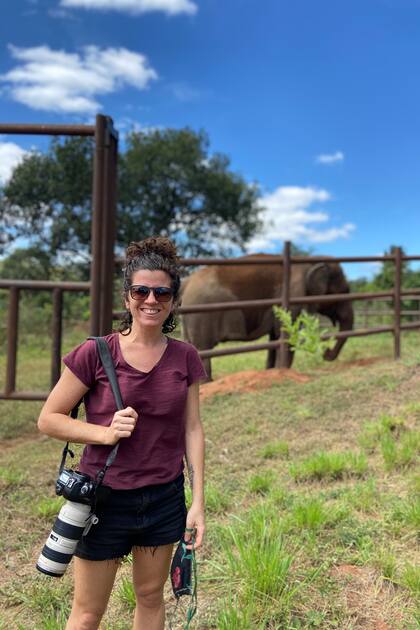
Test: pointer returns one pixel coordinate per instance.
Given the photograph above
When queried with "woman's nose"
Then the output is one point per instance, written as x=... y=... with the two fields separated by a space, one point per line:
x=151 y=298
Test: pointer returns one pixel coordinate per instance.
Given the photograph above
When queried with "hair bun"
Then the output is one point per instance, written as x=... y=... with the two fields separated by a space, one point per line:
x=154 y=245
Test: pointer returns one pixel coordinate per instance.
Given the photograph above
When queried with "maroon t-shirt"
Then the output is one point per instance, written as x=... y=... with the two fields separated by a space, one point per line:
x=154 y=452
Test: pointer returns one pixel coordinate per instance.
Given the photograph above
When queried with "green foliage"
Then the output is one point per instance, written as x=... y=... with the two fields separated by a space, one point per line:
x=373 y=432
x=261 y=482
x=410 y=578
x=386 y=562
x=169 y=184
x=399 y=455
x=126 y=593
x=303 y=332
x=329 y=466
x=274 y=450
x=48 y=198
x=233 y=616
x=310 y=514
x=217 y=501
x=48 y=507
x=256 y=559
x=11 y=477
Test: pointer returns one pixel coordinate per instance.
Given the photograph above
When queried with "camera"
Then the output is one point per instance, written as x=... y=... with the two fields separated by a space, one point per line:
x=75 y=486
x=73 y=521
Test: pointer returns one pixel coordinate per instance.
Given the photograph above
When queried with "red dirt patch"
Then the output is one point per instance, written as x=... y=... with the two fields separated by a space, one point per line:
x=249 y=381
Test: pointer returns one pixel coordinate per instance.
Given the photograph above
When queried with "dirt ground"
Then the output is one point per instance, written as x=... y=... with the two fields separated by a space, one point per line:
x=249 y=381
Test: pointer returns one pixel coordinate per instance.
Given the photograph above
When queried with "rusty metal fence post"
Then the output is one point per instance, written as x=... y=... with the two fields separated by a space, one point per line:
x=96 y=230
x=103 y=226
x=108 y=227
x=57 y=330
x=285 y=303
x=12 y=340
x=397 y=303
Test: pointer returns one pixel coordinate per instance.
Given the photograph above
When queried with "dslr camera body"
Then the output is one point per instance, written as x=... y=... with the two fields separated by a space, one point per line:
x=75 y=486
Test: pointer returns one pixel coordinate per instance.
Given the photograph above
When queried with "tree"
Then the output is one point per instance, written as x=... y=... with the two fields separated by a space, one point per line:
x=48 y=199
x=31 y=263
x=385 y=278
x=169 y=184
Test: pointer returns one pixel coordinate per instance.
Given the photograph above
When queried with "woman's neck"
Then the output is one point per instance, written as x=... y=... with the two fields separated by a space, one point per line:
x=144 y=337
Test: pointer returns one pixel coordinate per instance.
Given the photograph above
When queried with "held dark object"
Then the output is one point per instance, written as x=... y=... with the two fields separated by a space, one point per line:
x=184 y=576
x=75 y=486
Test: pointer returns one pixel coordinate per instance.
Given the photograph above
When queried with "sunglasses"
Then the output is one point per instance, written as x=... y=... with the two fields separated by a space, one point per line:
x=141 y=292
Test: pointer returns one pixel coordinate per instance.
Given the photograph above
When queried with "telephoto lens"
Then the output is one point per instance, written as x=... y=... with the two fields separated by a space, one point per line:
x=70 y=524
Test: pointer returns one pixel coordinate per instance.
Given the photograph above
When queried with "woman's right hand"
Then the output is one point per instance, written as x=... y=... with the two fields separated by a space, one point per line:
x=122 y=425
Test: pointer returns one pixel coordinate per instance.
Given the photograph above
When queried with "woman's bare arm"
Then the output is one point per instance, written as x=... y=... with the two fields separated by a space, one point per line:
x=54 y=419
x=194 y=437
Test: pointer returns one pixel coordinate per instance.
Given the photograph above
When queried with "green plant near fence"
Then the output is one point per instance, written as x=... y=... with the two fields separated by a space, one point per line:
x=304 y=333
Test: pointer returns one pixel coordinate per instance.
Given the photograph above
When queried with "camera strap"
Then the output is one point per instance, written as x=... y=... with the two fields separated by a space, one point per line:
x=108 y=365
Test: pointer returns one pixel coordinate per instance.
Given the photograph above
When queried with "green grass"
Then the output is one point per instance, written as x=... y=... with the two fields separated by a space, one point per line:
x=275 y=450
x=261 y=483
x=301 y=480
x=410 y=578
x=329 y=466
x=403 y=453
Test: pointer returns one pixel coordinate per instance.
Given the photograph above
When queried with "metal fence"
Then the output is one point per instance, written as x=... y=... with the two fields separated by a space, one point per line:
x=102 y=249
x=286 y=300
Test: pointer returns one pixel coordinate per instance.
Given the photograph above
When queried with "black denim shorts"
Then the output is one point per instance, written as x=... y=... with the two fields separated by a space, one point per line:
x=145 y=517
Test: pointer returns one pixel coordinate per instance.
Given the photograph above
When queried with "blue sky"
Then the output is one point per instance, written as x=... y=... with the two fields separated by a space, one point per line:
x=316 y=101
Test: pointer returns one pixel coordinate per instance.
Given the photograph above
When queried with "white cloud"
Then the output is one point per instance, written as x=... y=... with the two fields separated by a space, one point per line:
x=287 y=217
x=171 y=7
x=330 y=158
x=54 y=80
x=11 y=155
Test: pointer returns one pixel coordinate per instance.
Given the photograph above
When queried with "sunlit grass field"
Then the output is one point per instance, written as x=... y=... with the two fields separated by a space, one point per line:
x=312 y=499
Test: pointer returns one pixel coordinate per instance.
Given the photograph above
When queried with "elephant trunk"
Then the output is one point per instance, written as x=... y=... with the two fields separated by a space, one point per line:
x=344 y=315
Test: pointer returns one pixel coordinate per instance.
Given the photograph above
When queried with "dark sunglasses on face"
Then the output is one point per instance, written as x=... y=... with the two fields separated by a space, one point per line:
x=141 y=292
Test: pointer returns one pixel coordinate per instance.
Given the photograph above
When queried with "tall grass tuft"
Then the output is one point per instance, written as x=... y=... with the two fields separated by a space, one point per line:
x=126 y=593
x=329 y=466
x=410 y=578
x=310 y=515
x=261 y=483
x=374 y=432
x=402 y=454
x=255 y=561
x=275 y=450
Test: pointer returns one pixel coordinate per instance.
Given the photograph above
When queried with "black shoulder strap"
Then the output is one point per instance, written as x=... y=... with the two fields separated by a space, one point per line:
x=108 y=365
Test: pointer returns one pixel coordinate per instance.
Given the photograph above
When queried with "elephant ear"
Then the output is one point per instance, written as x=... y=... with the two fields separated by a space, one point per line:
x=317 y=279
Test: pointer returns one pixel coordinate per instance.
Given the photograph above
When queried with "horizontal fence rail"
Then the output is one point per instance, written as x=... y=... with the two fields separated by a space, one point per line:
x=285 y=299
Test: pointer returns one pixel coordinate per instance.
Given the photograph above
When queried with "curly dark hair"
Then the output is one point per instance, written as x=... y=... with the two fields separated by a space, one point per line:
x=156 y=253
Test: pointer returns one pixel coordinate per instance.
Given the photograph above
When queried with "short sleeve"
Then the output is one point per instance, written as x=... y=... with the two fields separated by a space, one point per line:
x=196 y=371
x=82 y=361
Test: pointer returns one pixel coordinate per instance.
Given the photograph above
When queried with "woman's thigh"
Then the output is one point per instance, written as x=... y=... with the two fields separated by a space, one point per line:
x=93 y=582
x=151 y=568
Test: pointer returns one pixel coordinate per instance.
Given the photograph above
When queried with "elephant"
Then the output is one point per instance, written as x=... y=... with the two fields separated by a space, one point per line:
x=249 y=282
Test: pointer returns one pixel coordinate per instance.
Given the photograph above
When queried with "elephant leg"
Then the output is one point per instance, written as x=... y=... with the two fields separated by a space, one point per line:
x=288 y=358
x=271 y=355
x=207 y=367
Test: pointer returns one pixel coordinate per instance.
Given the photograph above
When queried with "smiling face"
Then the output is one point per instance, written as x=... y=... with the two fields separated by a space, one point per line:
x=149 y=313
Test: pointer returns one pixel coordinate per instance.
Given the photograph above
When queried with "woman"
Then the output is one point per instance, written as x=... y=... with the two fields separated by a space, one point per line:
x=145 y=511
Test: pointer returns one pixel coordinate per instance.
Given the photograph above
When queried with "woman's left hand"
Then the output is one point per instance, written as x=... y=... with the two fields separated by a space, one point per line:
x=195 y=524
